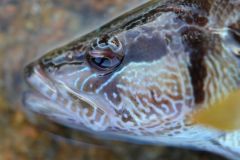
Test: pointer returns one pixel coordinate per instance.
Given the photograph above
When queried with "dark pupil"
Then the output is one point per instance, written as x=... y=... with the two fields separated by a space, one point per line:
x=102 y=62
x=104 y=59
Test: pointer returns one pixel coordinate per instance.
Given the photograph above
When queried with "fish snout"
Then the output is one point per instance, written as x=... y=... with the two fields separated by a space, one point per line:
x=38 y=79
x=29 y=70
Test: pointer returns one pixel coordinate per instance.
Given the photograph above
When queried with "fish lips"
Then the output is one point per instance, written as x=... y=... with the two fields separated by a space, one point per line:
x=42 y=93
x=39 y=81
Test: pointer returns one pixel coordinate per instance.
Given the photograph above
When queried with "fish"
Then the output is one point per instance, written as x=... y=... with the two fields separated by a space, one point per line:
x=142 y=76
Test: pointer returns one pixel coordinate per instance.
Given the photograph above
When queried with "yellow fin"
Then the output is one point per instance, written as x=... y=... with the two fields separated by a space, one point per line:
x=223 y=115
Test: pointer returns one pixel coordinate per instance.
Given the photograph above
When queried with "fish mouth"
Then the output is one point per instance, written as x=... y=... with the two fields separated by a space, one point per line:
x=42 y=92
x=39 y=81
x=56 y=101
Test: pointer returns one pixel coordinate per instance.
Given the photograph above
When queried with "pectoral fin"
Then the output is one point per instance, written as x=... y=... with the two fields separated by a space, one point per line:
x=223 y=115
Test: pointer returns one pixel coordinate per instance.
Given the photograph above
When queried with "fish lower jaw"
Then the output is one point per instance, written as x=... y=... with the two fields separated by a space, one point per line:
x=63 y=105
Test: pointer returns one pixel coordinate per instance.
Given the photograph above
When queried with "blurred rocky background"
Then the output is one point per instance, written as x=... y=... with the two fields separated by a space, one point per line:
x=28 y=28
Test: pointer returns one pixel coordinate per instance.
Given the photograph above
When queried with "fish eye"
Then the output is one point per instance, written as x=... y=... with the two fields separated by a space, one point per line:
x=105 y=54
x=104 y=59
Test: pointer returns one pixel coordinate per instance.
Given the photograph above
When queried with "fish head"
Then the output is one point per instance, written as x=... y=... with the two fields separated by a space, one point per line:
x=66 y=82
x=124 y=82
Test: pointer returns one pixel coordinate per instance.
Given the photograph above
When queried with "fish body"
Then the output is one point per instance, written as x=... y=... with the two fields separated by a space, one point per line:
x=141 y=76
